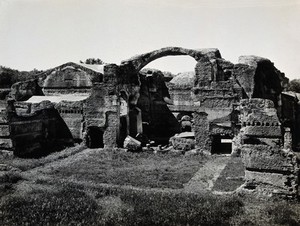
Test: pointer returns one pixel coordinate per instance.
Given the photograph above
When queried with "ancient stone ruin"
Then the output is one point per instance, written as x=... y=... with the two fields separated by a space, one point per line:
x=220 y=108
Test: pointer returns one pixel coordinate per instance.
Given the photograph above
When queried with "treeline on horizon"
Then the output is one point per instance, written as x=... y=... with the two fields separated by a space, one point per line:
x=10 y=76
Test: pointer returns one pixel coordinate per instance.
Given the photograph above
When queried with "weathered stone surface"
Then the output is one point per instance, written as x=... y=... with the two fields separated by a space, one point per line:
x=71 y=75
x=193 y=152
x=263 y=131
x=6 y=154
x=110 y=133
x=5 y=143
x=245 y=76
x=273 y=183
x=132 y=144
x=3 y=117
x=38 y=133
x=259 y=78
x=180 y=143
x=21 y=91
x=201 y=128
x=4 y=130
x=259 y=118
x=267 y=158
x=288 y=143
x=142 y=60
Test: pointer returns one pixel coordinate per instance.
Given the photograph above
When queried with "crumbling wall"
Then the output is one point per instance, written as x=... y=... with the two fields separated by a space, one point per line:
x=70 y=78
x=259 y=78
x=39 y=132
x=102 y=108
x=269 y=167
x=110 y=135
x=216 y=95
x=21 y=91
x=5 y=141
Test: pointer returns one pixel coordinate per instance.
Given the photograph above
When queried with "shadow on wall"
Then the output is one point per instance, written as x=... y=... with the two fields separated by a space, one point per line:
x=159 y=124
x=94 y=137
x=39 y=133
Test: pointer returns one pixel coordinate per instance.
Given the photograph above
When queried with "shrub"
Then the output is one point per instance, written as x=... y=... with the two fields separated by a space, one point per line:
x=10 y=177
x=294 y=85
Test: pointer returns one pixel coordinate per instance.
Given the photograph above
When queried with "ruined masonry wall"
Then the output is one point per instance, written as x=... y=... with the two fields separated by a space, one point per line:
x=38 y=131
x=201 y=128
x=5 y=141
x=269 y=167
x=101 y=109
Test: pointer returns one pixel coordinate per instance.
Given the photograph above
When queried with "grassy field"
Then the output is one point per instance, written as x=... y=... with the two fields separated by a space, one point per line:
x=81 y=186
x=146 y=170
x=69 y=204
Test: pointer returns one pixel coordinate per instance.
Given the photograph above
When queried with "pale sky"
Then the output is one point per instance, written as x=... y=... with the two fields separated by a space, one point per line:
x=47 y=33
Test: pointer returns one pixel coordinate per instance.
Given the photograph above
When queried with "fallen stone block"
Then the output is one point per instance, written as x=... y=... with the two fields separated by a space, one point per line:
x=181 y=143
x=132 y=144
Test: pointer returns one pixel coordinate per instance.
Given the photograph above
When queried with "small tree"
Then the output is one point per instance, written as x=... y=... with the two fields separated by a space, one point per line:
x=93 y=61
x=294 y=85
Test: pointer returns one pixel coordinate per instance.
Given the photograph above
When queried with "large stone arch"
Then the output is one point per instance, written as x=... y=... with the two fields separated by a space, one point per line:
x=200 y=55
x=159 y=117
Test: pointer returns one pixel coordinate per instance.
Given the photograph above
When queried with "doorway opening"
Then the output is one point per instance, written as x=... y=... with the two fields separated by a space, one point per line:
x=94 y=137
x=221 y=144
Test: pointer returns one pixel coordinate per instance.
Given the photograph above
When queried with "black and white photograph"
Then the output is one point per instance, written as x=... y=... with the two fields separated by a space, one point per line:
x=150 y=113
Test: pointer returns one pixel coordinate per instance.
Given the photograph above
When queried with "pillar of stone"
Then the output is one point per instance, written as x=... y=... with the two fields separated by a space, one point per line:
x=287 y=139
x=201 y=128
x=110 y=134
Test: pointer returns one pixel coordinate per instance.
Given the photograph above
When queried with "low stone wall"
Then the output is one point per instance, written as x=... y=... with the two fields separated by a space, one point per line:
x=271 y=170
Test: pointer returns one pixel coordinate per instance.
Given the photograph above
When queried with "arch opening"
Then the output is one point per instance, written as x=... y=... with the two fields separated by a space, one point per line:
x=173 y=64
x=159 y=123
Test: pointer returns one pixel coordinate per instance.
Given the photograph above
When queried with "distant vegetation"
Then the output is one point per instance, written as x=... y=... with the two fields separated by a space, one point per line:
x=10 y=76
x=294 y=85
x=92 y=61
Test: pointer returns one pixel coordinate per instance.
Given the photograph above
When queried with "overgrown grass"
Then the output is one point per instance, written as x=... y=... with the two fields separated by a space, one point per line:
x=268 y=212
x=283 y=214
x=66 y=207
x=27 y=164
x=136 y=169
x=108 y=206
x=7 y=180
